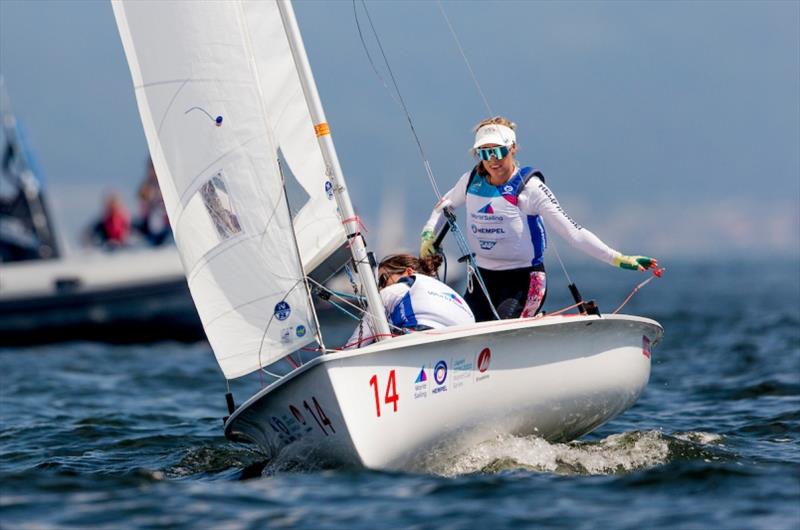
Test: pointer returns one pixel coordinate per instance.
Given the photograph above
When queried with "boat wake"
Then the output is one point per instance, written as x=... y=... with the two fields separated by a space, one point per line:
x=618 y=453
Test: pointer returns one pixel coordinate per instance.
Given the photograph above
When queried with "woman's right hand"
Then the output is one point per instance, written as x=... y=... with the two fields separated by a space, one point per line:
x=426 y=248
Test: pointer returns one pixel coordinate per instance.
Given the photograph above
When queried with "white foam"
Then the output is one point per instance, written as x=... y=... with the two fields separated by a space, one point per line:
x=699 y=437
x=617 y=453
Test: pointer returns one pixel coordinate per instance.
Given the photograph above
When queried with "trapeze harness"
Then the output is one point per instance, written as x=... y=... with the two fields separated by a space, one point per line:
x=499 y=233
x=509 y=247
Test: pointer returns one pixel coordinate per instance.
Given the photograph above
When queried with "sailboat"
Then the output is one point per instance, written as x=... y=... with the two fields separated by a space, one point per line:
x=233 y=120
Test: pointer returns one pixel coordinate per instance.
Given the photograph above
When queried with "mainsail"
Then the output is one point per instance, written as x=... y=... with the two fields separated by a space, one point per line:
x=223 y=110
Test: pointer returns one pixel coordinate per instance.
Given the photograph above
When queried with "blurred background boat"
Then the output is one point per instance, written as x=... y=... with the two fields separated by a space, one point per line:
x=113 y=293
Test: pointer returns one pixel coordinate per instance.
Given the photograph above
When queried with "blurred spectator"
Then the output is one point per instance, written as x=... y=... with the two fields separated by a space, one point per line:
x=114 y=226
x=152 y=222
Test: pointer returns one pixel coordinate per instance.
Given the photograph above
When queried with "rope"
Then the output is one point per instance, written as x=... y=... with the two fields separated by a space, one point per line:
x=361 y=340
x=563 y=267
x=656 y=274
x=359 y=223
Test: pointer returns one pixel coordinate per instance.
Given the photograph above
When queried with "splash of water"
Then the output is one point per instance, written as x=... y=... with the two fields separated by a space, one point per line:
x=618 y=453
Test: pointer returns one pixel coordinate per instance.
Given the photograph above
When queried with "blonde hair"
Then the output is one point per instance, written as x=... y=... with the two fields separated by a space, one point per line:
x=497 y=120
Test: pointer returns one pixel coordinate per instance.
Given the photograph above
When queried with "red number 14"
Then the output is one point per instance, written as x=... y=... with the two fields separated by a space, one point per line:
x=390 y=397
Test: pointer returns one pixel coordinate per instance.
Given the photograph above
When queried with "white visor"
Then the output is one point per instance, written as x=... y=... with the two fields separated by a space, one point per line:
x=496 y=134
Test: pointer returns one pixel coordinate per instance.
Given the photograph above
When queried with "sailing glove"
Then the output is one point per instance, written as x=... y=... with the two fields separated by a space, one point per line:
x=635 y=263
x=426 y=248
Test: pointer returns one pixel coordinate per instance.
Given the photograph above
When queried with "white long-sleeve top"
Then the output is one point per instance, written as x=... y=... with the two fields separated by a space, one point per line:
x=416 y=300
x=504 y=224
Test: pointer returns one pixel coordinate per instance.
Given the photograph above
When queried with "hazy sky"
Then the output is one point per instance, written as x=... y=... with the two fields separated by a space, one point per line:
x=667 y=128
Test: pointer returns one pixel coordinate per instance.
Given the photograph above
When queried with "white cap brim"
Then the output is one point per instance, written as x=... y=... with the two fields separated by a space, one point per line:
x=496 y=134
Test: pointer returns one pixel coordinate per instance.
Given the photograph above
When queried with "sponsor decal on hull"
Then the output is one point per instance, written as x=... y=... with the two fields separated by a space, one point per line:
x=421 y=385
x=483 y=361
x=440 y=377
x=462 y=373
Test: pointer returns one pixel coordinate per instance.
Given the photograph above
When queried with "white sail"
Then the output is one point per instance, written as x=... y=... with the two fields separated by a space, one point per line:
x=317 y=224
x=220 y=102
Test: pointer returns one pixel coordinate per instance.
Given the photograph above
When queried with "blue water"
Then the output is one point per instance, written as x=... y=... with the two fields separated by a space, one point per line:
x=98 y=436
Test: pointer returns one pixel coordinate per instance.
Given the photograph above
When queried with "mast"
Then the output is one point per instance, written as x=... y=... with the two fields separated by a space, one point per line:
x=357 y=246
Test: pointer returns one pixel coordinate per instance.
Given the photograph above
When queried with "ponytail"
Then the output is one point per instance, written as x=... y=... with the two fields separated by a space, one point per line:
x=398 y=263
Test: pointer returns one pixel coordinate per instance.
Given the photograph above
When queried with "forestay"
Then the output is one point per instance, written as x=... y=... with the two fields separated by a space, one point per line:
x=221 y=104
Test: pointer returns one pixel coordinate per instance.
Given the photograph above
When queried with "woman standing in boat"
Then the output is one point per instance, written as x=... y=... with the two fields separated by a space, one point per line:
x=506 y=206
x=413 y=299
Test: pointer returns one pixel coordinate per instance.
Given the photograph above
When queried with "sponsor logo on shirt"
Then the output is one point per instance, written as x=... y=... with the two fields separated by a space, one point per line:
x=487 y=209
x=487 y=245
x=487 y=217
x=544 y=189
x=482 y=230
x=446 y=296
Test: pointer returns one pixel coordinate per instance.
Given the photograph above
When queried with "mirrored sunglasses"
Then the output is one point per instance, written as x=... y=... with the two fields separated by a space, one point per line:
x=486 y=153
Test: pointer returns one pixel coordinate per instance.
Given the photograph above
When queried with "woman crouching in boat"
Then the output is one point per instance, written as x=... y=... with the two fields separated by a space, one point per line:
x=506 y=206
x=413 y=300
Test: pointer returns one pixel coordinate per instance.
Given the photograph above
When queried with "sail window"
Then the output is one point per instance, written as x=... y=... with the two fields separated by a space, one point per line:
x=296 y=194
x=219 y=207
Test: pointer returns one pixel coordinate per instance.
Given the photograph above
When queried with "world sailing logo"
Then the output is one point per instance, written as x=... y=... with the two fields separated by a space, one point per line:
x=487 y=209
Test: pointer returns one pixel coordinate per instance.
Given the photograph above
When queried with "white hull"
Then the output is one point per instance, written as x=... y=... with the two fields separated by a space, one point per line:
x=556 y=377
x=130 y=295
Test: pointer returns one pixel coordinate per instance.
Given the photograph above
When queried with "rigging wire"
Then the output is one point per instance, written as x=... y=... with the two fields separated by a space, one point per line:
x=466 y=60
x=400 y=99
x=472 y=269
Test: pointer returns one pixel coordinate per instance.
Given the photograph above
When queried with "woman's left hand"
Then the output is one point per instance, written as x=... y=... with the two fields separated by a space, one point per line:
x=635 y=263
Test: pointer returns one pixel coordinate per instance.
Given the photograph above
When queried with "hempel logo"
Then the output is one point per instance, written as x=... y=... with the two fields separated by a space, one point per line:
x=480 y=230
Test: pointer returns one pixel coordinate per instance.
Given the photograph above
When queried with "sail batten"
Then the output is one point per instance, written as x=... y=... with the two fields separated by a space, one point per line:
x=219 y=98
